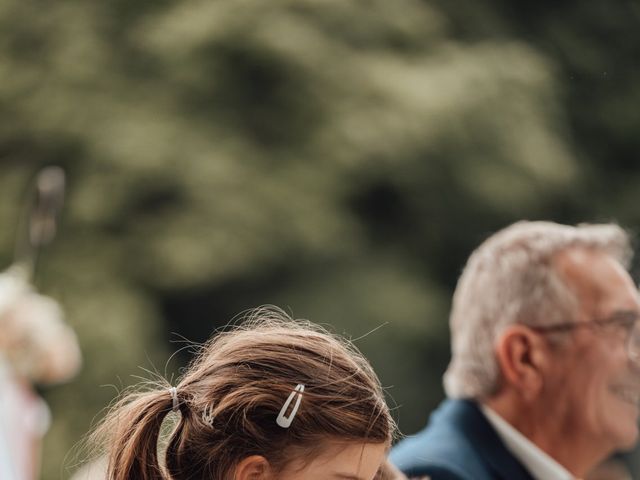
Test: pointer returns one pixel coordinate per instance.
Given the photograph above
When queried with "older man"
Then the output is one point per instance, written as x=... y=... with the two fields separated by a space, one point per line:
x=544 y=382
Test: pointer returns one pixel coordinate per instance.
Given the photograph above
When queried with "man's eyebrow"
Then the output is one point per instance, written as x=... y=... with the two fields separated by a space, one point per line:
x=346 y=476
x=626 y=314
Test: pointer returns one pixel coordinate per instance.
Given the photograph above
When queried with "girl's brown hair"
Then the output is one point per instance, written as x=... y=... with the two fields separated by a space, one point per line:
x=230 y=397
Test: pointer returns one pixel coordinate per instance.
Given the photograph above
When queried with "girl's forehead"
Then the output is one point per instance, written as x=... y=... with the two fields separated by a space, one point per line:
x=340 y=461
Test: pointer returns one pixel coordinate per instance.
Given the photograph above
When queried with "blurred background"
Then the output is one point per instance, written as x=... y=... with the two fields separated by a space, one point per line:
x=340 y=159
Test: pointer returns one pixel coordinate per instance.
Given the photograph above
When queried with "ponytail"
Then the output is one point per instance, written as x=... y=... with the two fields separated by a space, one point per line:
x=132 y=433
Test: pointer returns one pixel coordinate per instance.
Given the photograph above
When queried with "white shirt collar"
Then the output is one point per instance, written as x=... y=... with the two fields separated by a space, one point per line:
x=540 y=465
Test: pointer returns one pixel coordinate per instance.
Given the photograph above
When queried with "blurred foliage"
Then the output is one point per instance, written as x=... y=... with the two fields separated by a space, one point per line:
x=339 y=159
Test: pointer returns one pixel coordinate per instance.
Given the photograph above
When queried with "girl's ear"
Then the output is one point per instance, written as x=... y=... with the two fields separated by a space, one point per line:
x=254 y=467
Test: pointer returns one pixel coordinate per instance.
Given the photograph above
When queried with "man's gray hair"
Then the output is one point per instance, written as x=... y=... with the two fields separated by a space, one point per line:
x=510 y=279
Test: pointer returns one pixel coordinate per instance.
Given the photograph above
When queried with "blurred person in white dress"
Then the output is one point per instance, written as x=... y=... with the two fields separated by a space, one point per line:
x=36 y=347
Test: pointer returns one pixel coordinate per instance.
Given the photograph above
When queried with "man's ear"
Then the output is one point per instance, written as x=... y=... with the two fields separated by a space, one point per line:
x=522 y=355
x=255 y=467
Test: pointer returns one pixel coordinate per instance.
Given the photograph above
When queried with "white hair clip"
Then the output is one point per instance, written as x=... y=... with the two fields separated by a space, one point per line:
x=283 y=420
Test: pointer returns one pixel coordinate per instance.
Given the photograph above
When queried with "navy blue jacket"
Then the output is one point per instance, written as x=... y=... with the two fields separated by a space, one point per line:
x=458 y=444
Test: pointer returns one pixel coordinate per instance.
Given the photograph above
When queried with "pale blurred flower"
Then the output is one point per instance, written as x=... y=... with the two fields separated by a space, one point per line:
x=34 y=339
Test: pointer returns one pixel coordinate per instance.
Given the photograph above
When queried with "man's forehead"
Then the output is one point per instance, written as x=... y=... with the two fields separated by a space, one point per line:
x=581 y=262
x=601 y=284
x=580 y=254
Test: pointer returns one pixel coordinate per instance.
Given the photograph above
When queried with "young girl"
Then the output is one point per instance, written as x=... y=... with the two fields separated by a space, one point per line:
x=273 y=399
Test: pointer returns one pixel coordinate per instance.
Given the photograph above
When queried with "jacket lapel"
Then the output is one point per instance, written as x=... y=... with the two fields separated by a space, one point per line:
x=467 y=417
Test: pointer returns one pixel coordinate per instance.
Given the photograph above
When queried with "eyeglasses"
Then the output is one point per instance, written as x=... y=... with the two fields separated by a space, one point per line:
x=626 y=321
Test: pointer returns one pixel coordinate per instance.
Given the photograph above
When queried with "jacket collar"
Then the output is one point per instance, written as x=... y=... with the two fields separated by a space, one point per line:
x=467 y=418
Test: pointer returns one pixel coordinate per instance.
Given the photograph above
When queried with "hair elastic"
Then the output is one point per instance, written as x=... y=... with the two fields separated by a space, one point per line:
x=174 y=397
x=284 y=421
